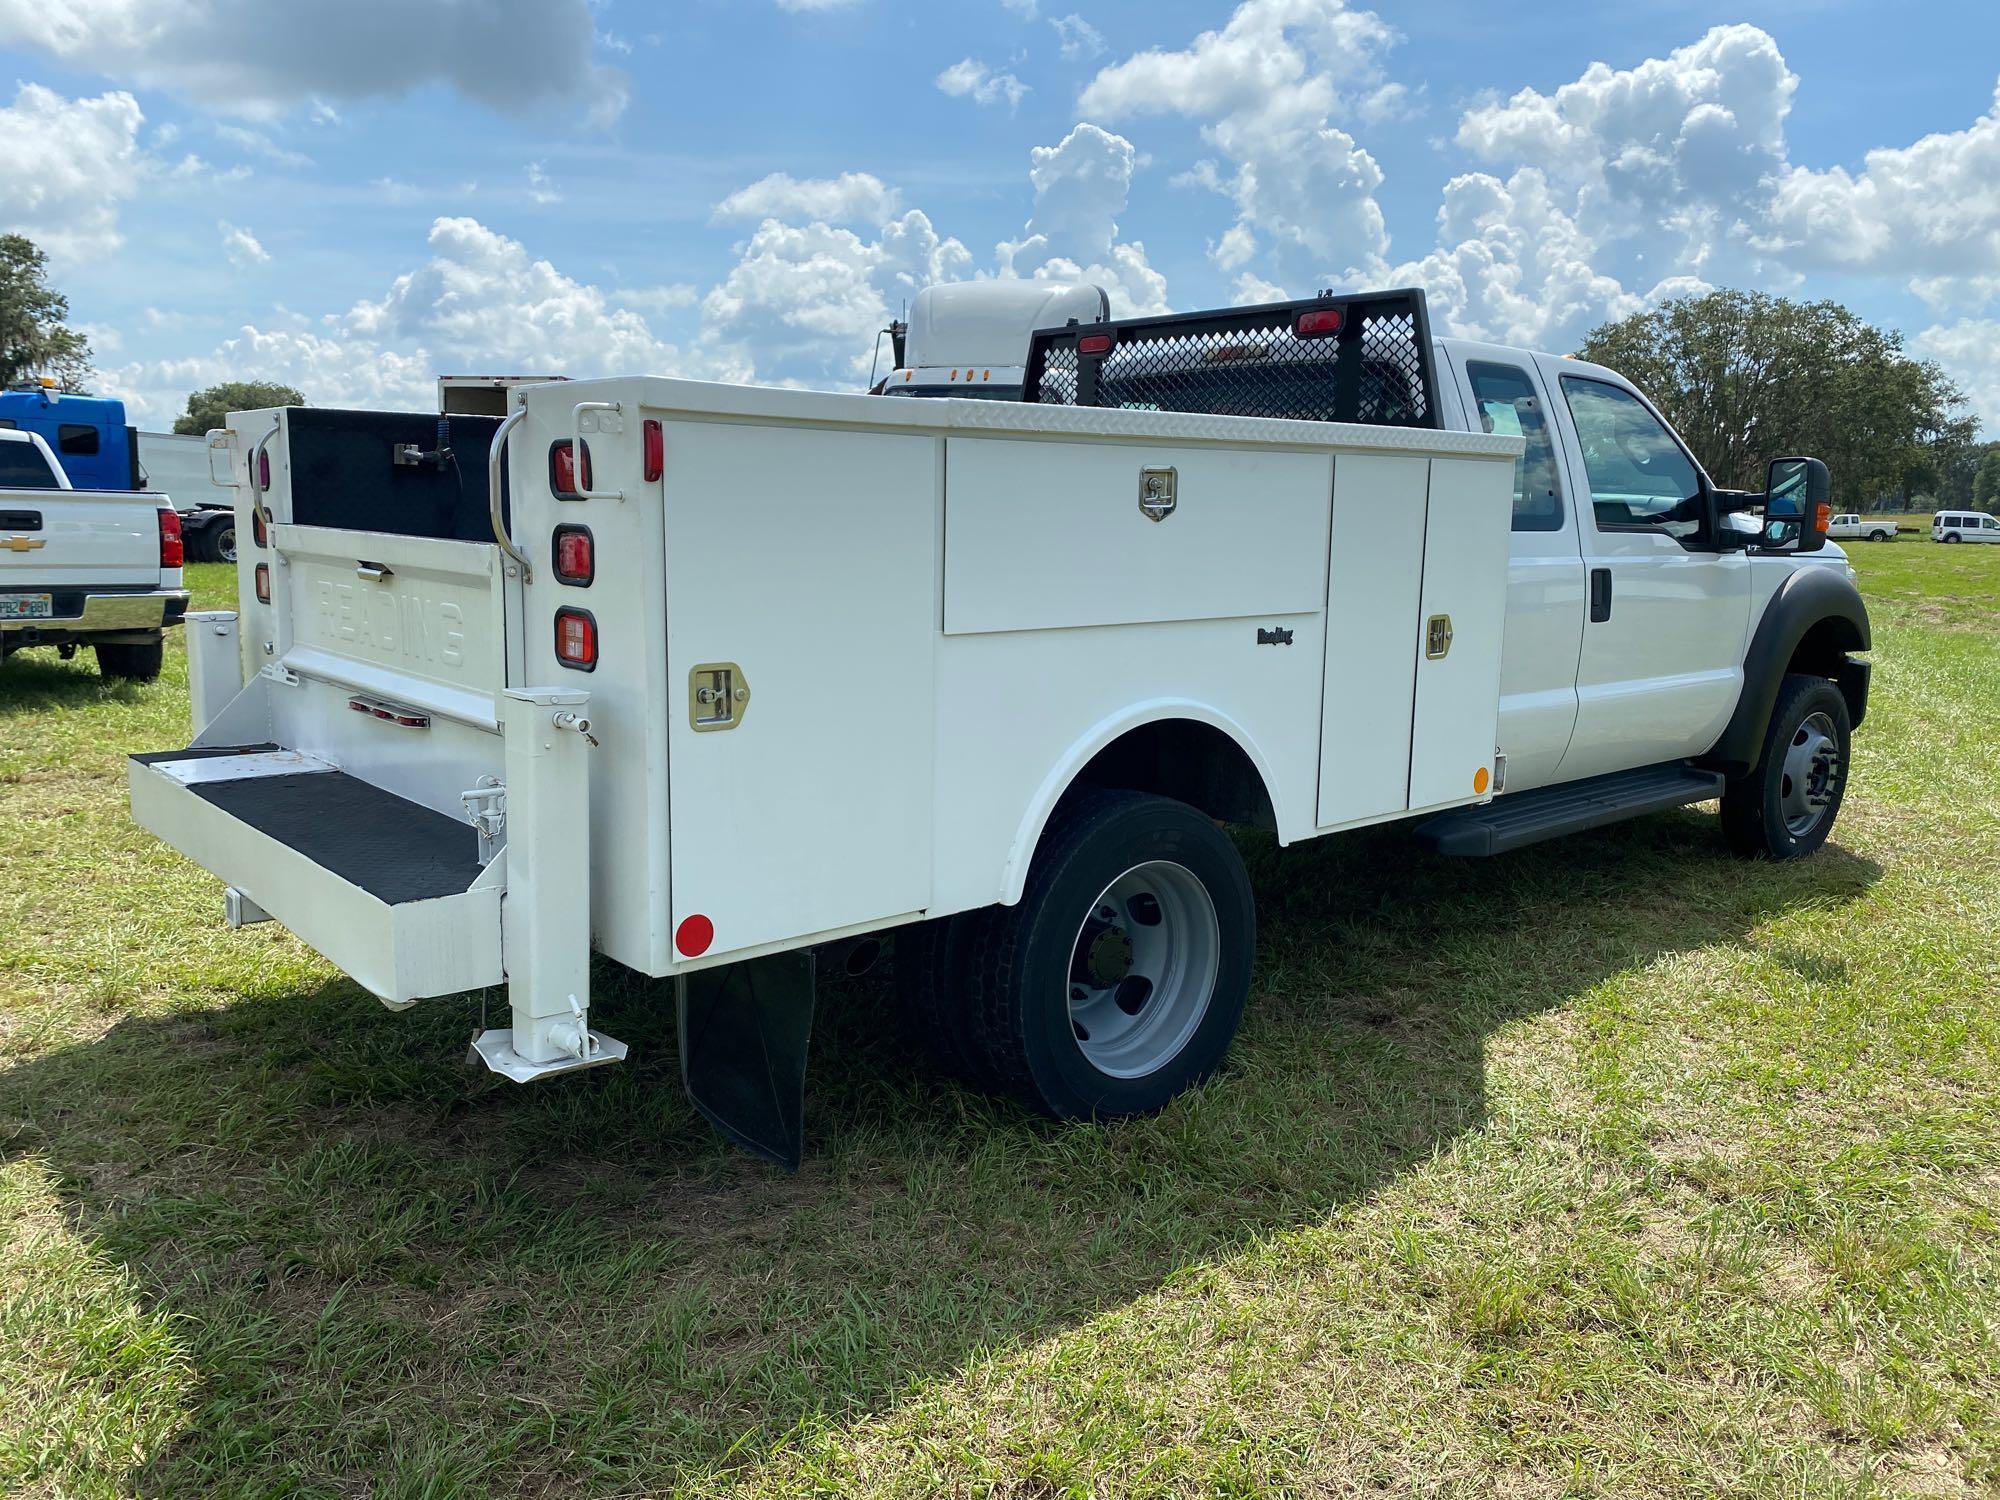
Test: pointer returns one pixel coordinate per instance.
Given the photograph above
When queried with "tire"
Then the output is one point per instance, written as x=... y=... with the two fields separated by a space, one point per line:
x=1785 y=806
x=930 y=991
x=1118 y=980
x=132 y=663
x=1878 y=536
x=1952 y=536
x=222 y=542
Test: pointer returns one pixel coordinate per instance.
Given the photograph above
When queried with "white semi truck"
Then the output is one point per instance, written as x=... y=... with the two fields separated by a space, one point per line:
x=707 y=679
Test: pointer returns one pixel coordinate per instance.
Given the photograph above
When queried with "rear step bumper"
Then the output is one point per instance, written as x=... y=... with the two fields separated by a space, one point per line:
x=1509 y=823
x=390 y=891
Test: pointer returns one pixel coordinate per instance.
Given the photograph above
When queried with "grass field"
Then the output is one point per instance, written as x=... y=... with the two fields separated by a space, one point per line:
x=1613 y=1168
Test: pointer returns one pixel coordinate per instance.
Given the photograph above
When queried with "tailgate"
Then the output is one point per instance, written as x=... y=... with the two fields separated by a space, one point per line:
x=67 y=539
x=413 y=621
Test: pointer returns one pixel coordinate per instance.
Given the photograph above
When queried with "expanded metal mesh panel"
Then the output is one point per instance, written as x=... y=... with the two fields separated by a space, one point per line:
x=1058 y=376
x=1374 y=368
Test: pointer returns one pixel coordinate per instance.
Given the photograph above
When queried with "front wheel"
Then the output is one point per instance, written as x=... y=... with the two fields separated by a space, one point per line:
x=1784 y=807
x=1118 y=980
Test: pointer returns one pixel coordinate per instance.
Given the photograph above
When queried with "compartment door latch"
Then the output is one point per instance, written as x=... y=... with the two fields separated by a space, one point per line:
x=1437 y=636
x=718 y=695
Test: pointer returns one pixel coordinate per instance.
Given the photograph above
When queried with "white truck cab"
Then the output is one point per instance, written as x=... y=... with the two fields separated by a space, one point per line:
x=711 y=680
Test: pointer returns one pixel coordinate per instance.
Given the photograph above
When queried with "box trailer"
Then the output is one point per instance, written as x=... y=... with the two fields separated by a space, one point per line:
x=705 y=678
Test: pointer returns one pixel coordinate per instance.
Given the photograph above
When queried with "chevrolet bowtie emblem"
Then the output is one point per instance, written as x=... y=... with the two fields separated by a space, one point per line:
x=22 y=543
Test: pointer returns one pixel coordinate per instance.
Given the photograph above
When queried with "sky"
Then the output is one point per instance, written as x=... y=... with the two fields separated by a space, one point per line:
x=354 y=196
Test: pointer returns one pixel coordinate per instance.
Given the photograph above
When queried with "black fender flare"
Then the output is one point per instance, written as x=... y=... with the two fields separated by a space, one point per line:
x=1816 y=608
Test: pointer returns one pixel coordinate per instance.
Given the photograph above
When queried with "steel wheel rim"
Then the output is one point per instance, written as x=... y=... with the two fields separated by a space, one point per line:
x=225 y=545
x=1143 y=968
x=1810 y=775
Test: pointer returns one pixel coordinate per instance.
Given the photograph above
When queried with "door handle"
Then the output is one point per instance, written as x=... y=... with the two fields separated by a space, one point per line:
x=1600 y=595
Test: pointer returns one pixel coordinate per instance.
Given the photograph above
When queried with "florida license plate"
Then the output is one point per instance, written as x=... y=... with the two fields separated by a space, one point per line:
x=26 y=606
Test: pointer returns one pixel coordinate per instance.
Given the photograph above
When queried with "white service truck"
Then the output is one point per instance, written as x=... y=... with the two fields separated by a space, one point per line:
x=97 y=568
x=710 y=679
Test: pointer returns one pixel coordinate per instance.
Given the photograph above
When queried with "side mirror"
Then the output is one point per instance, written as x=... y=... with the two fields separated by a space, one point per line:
x=1798 y=505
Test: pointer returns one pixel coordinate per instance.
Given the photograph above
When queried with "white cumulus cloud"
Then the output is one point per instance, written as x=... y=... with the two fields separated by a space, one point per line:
x=1081 y=187
x=1268 y=88
x=973 y=80
x=238 y=56
x=73 y=163
x=241 y=246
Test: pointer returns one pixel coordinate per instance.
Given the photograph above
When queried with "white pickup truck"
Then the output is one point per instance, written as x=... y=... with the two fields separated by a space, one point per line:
x=712 y=680
x=1853 y=527
x=97 y=568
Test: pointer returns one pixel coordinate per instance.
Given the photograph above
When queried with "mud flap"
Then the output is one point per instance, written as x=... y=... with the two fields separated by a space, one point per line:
x=744 y=1032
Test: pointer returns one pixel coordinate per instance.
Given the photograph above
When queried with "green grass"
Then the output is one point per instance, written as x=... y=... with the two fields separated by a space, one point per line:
x=1617 y=1167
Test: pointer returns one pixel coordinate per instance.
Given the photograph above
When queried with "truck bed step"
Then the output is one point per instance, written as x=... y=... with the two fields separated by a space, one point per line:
x=1509 y=823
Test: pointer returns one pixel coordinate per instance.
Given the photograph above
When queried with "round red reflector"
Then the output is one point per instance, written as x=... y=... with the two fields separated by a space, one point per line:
x=694 y=935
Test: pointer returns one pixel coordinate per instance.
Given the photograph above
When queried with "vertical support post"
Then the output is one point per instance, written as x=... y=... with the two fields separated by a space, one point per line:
x=215 y=668
x=545 y=915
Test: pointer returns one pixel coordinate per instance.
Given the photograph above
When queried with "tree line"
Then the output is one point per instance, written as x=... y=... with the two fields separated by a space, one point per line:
x=1746 y=378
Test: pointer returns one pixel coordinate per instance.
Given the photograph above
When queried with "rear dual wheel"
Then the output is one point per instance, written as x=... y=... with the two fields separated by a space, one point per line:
x=1115 y=983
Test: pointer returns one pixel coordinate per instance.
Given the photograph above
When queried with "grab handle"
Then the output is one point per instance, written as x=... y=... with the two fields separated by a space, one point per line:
x=494 y=456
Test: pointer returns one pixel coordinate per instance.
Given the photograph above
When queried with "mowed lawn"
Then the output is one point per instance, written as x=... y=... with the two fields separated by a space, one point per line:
x=1618 y=1167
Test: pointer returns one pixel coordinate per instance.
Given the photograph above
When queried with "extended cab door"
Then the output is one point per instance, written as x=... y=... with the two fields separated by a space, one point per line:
x=1502 y=392
x=1668 y=615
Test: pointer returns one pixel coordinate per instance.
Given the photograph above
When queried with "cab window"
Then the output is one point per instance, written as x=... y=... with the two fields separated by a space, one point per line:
x=1640 y=479
x=23 y=467
x=76 y=438
x=1508 y=405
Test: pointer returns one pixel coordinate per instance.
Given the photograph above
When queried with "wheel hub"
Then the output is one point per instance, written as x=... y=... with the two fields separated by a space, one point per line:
x=1143 y=969
x=1811 y=774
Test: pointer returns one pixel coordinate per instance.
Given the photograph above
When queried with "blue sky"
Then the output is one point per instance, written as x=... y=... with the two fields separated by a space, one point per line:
x=356 y=196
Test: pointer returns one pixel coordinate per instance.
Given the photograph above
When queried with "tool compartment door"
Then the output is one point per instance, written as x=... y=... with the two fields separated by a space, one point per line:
x=805 y=561
x=1457 y=712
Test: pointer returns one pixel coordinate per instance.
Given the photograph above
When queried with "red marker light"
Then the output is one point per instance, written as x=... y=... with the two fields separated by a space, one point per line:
x=1319 y=322
x=694 y=935
x=656 y=450
x=263 y=471
x=263 y=581
x=258 y=532
x=576 y=556
x=562 y=470
x=1094 y=343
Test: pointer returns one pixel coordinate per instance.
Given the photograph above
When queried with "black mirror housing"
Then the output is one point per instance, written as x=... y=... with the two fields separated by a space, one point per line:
x=1798 y=505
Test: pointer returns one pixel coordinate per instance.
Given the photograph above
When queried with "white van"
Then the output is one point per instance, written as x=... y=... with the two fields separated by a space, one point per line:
x=1964 y=526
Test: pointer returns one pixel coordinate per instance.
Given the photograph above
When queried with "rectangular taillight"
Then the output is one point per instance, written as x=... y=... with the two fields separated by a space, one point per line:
x=576 y=639
x=656 y=450
x=173 y=551
x=264 y=471
x=263 y=582
x=575 y=555
x=562 y=470
x=1318 y=323
x=259 y=533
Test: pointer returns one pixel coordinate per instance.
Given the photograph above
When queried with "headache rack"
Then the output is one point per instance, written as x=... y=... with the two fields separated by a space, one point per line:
x=1361 y=358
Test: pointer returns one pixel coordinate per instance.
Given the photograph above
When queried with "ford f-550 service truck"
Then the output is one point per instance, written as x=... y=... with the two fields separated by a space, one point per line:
x=706 y=679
